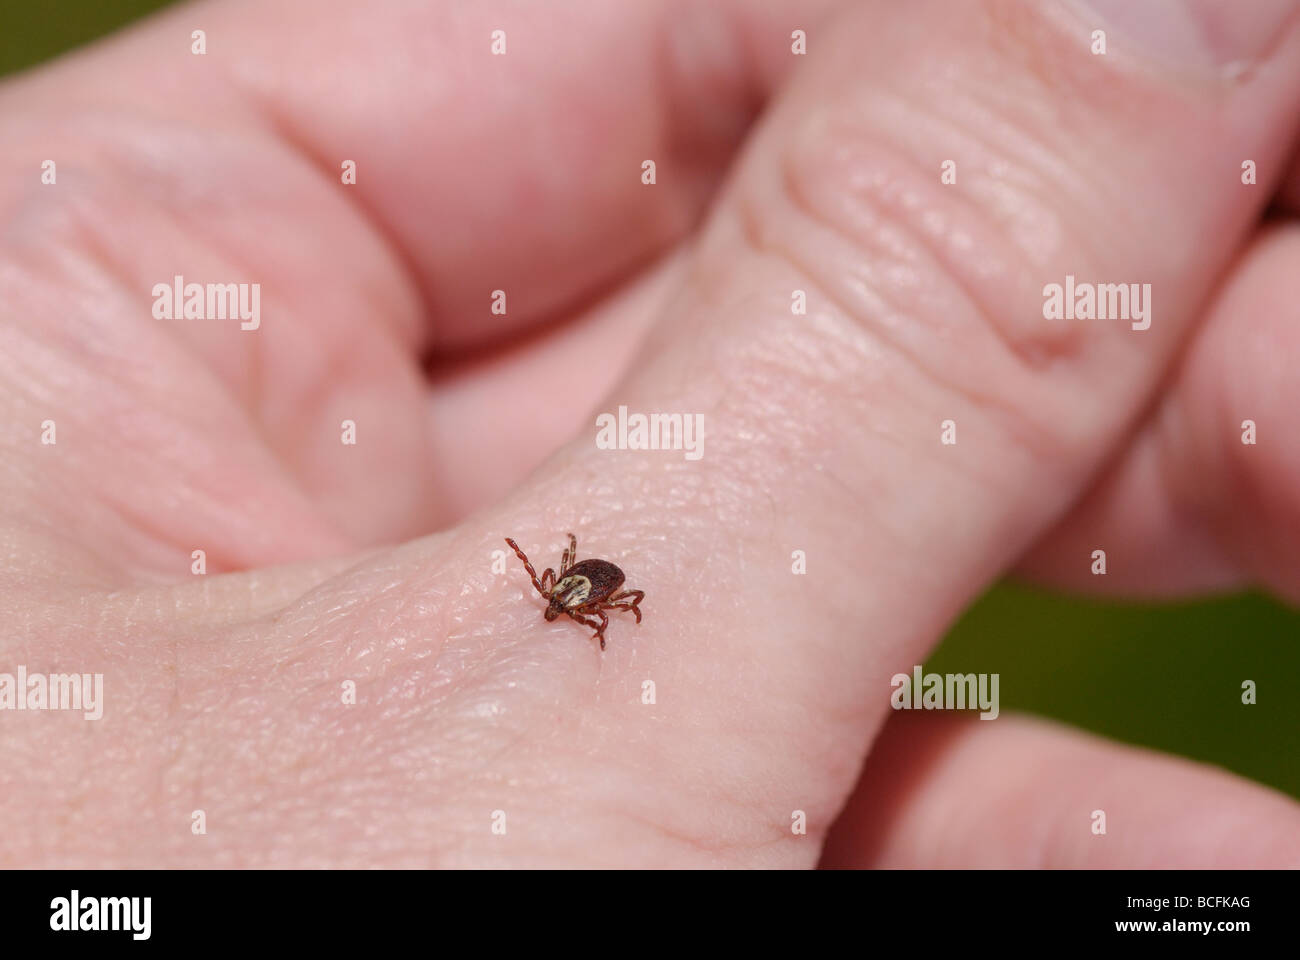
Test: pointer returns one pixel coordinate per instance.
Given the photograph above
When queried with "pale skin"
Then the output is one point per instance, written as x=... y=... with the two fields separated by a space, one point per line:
x=374 y=563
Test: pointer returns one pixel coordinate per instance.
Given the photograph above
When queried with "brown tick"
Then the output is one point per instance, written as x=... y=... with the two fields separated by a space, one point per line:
x=589 y=587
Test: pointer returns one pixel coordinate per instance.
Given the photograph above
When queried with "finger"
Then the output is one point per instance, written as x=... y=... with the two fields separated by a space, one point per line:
x=822 y=433
x=940 y=792
x=1207 y=496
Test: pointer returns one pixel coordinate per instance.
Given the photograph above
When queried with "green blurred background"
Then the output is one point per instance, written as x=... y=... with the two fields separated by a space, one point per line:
x=1167 y=677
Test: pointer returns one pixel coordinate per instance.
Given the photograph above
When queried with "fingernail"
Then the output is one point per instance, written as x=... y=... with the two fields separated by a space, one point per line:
x=1195 y=33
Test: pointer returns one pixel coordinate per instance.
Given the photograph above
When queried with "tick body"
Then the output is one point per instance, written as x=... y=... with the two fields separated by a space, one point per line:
x=583 y=591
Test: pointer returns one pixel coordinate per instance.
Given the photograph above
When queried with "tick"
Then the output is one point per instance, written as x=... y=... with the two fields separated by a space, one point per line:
x=583 y=589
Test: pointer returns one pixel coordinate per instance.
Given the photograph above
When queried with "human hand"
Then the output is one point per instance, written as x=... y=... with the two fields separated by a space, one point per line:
x=224 y=693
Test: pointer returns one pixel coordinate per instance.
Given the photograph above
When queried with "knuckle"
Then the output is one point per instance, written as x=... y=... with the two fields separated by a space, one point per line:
x=966 y=265
x=952 y=280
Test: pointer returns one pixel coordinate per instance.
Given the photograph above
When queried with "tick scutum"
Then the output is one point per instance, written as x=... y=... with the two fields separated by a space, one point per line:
x=605 y=578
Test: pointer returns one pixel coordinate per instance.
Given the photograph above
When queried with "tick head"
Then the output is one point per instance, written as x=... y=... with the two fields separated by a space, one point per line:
x=554 y=608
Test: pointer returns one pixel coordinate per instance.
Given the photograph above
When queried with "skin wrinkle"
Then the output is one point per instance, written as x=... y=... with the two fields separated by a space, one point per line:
x=990 y=132
x=261 y=106
x=1111 y=96
x=72 y=339
x=920 y=244
x=1043 y=439
x=1040 y=45
x=408 y=319
x=1082 y=198
x=132 y=517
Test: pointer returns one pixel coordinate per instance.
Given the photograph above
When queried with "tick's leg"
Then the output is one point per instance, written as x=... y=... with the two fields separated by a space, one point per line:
x=548 y=582
x=532 y=574
x=570 y=556
x=599 y=627
x=627 y=600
